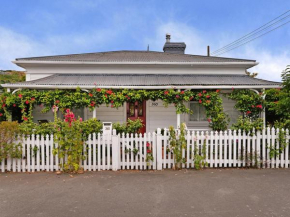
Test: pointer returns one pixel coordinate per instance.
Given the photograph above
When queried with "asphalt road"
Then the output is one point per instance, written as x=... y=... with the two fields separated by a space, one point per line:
x=227 y=192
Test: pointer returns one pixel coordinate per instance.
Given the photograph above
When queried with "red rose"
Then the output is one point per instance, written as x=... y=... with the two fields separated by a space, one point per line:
x=27 y=102
x=90 y=94
x=32 y=98
x=99 y=90
x=199 y=94
x=14 y=105
x=112 y=101
x=148 y=151
x=204 y=91
x=209 y=120
x=1 y=114
x=166 y=92
x=207 y=96
x=182 y=92
x=106 y=95
x=200 y=101
x=112 y=106
x=25 y=118
x=109 y=92
x=248 y=112
x=148 y=144
x=177 y=96
x=207 y=101
x=19 y=95
x=191 y=98
x=217 y=91
x=253 y=106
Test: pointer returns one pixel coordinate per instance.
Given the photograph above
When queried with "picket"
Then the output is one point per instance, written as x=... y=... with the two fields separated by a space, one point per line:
x=129 y=151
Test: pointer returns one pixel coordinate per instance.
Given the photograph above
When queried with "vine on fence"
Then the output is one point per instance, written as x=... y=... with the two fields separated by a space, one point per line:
x=177 y=144
x=199 y=159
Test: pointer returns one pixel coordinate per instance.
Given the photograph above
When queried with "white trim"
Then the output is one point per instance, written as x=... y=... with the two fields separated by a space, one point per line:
x=139 y=87
x=133 y=63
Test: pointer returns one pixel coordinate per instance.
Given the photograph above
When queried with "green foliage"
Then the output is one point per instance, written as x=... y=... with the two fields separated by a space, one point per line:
x=199 y=158
x=8 y=145
x=247 y=124
x=11 y=77
x=177 y=144
x=26 y=99
x=132 y=126
x=282 y=139
x=248 y=102
x=70 y=140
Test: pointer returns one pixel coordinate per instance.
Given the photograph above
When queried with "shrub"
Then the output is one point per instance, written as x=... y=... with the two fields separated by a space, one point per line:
x=129 y=127
x=247 y=124
x=8 y=145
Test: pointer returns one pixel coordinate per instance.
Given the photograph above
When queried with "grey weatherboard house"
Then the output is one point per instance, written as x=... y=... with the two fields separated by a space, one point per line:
x=141 y=70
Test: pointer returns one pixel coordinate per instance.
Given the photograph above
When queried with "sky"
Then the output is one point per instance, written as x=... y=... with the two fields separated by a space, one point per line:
x=54 y=27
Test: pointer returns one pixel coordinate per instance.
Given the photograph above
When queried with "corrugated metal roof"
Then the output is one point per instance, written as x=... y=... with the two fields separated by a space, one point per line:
x=134 y=56
x=146 y=80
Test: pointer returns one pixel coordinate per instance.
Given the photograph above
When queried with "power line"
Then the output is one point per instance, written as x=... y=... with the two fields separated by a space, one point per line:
x=254 y=38
x=255 y=30
x=253 y=33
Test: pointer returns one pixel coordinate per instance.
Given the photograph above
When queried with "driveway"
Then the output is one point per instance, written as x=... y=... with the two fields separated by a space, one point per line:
x=211 y=192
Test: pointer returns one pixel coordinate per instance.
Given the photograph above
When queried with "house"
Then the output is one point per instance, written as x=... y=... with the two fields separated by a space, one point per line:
x=141 y=70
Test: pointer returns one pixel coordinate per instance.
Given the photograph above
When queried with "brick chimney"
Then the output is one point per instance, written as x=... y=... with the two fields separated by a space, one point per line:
x=173 y=47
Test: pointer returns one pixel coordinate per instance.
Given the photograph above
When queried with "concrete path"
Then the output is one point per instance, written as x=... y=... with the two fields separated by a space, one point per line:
x=227 y=192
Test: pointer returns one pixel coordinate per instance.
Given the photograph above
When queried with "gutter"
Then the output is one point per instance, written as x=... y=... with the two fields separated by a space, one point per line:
x=133 y=63
x=141 y=87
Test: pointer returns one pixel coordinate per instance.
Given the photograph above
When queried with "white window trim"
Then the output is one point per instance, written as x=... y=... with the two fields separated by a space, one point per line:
x=195 y=123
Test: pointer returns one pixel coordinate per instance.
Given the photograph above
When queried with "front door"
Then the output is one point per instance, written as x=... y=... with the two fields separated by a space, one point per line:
x=137 y=110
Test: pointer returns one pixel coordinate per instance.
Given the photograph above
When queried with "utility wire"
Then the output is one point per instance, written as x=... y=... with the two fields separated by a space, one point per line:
x=254 y=38
x=253 y=33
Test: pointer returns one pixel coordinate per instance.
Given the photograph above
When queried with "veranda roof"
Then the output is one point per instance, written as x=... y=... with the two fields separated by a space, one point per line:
x=145 y=81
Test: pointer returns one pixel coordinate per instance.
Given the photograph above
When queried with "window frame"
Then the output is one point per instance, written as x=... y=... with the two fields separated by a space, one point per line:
x=196 y=123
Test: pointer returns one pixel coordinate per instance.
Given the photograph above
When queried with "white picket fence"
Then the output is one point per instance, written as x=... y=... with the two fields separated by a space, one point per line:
x=114 y=152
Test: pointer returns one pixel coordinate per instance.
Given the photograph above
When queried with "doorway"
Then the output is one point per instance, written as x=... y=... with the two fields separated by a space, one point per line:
x=137 y=110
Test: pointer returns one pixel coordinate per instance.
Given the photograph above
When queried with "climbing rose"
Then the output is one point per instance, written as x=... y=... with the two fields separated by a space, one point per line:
x=253 y=106
x=259 y=106
x=191 y=98
x=112 y=101
x=32 y=98
x=1 y=114
x=99 y=89
x=217 y=91
x=112 y=106
x=90 y=94
x=207 y=96
x=148 y=151
x=200 y=101
x=20 y=96
x=177 y=96
x=204 y=91
x=209 y=120
x=248 y=112
x=81 y=119
x=166 y=92
x=207 y=101
x=14 y=105
x=57 y=101
x=25 y=118
x=109 y=92
x=199 y=94
x=182 y=92
x=148 y=144
x=27 y=102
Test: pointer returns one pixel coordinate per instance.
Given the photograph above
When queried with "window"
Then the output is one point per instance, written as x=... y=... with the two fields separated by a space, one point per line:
x=198 y=112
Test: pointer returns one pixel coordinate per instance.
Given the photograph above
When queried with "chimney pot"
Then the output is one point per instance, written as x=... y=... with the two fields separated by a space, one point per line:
x=168 y=37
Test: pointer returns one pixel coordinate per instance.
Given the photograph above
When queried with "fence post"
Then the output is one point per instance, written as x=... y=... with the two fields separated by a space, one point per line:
x=159 y=149
x=115 y=151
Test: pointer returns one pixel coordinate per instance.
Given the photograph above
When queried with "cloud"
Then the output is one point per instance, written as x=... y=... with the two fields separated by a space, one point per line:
x=14 y=45
x=270 y=64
